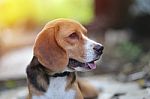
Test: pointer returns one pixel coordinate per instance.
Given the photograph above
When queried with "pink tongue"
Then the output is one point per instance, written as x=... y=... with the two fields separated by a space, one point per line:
x=92 y=65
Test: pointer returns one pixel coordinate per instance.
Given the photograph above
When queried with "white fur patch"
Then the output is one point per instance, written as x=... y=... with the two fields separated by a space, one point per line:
x=56 y=90
x=89 y=51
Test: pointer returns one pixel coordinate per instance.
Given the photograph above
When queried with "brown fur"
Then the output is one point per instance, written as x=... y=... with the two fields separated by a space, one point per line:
x=48 y=52
x=52 y=44
x=87 y=90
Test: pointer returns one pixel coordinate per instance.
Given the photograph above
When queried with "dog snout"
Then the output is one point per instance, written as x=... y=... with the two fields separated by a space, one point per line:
x=98 y=49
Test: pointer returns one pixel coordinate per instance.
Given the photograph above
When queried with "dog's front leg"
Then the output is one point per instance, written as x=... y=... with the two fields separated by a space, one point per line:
x=87 y=89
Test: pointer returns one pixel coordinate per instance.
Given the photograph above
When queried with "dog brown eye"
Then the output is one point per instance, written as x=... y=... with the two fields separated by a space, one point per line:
x=74 y=36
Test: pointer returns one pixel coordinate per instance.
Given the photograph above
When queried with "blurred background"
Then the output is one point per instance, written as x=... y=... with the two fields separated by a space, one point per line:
x=122 y=26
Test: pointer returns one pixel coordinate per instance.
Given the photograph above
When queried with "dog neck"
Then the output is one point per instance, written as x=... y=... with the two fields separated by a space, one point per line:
x=52 y=86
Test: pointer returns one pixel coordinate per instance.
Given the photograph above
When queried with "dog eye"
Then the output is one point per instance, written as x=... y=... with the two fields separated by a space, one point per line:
x=74 y=35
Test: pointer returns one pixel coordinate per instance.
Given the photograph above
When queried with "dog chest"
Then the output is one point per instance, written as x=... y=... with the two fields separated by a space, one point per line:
x=56 y=90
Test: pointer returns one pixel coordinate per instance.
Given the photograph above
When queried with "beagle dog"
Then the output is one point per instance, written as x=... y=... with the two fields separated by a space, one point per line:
x=60 y=50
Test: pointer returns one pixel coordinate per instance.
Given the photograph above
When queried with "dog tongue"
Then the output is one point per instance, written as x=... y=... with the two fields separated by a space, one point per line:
x=91 y=65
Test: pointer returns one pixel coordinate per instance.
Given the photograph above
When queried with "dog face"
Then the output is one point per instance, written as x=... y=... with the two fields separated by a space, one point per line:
x=63 y=45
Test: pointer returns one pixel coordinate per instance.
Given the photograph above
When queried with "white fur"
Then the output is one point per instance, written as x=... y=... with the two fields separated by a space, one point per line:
x=81 y=69
x=89 y=51
x=56 y=90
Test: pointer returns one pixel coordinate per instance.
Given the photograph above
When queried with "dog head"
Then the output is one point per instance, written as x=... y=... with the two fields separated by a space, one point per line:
x=62 y=45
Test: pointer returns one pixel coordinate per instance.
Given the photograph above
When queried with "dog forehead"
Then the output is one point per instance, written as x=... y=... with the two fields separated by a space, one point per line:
x=66 y=24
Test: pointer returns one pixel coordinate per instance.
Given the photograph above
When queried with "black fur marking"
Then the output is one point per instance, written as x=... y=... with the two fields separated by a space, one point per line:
x=34 y=70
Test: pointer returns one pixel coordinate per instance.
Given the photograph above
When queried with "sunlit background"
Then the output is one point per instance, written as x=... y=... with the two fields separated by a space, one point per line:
x=122 y=26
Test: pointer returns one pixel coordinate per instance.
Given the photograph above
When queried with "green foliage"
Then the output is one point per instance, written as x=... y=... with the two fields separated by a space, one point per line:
x=129 y=51
x=10 y=84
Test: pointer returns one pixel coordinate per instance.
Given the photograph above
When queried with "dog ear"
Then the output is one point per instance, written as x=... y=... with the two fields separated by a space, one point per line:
x=48 y=51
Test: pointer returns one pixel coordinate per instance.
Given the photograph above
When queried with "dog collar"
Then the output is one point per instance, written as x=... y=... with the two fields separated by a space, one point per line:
x=61 y=74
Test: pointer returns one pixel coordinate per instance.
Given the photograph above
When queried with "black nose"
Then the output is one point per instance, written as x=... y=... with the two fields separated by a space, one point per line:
x=98 y=48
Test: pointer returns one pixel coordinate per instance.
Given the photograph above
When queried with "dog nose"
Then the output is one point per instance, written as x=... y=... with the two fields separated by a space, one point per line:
x=98 y=48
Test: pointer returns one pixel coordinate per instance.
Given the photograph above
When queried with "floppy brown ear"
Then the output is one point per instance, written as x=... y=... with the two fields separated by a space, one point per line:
x=48 y=52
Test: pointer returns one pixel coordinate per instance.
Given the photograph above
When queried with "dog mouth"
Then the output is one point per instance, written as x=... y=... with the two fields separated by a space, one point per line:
x=87 y=65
